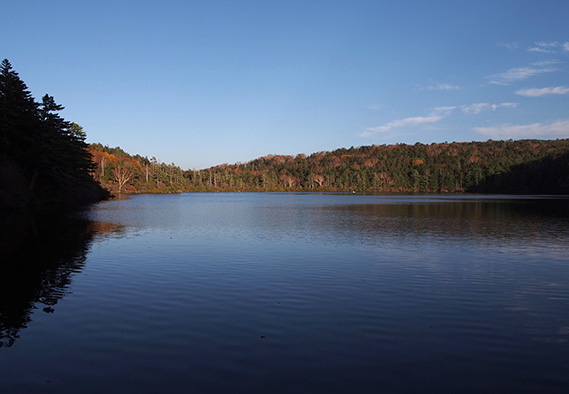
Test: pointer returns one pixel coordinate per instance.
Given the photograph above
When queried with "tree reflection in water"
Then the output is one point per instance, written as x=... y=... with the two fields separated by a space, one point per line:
x=41 y=253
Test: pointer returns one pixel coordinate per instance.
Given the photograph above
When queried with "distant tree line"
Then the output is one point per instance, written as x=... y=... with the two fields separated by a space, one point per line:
x=43 y=158
x=524 y=166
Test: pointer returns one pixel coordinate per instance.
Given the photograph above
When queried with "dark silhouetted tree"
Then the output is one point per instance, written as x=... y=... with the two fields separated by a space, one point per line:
x=40 y=150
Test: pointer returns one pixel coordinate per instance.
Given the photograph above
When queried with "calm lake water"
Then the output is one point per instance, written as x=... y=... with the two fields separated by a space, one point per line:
x=289 y=293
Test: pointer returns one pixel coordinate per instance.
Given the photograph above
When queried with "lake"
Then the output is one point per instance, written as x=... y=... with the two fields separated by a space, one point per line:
x=289 y=293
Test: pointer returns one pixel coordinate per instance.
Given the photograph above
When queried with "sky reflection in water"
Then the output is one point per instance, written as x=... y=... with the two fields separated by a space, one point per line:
x=296 y=292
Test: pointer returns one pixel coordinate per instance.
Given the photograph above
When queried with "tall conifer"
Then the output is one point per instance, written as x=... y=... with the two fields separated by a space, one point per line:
x=49 y=152
x=18 y=117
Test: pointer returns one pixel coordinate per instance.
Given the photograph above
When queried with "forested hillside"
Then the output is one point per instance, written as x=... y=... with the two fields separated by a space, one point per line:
x=525 y=166
x=43 y=158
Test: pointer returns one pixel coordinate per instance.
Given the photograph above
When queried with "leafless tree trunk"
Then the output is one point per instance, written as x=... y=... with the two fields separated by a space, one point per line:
x=319 y=179
x=122 y=173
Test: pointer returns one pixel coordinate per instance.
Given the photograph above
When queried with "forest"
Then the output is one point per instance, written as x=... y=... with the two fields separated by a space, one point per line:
x=44 y=159
x=519 y=167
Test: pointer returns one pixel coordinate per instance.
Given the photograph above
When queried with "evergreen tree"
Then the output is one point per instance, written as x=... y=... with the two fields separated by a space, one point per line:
x=43 y=158
x=18 y=118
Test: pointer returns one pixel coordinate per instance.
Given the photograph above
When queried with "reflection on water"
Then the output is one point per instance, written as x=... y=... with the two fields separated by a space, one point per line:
x=486 y=222
x=41 y=252
x=280 y=293
x=383 y=221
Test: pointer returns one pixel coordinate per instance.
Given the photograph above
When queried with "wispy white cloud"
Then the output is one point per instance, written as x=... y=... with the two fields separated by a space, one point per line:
x=443 y=110
x=540 y=50
x=545 y=63
x=544 y=47
x=477 y=108
x=543 y=91
x=540 y=46
x=556 y=129
x=414 y=121
x=442 y=86
x=543 y=44
x=366 y=134
x=522 y=73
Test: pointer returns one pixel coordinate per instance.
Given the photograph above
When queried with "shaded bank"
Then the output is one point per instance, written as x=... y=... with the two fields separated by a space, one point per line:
x=18 y=191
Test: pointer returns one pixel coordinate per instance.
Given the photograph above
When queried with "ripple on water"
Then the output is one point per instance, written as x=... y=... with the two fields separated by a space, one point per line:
x=270 y=293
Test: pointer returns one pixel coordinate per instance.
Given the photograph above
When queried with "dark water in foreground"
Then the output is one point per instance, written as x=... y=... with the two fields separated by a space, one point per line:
x=285 y=293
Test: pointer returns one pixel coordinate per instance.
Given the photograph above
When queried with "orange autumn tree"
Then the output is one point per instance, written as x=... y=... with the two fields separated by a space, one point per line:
x=121 y=172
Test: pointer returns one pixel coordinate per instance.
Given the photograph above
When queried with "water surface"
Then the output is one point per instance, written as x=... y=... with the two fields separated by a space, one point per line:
x=268 y=292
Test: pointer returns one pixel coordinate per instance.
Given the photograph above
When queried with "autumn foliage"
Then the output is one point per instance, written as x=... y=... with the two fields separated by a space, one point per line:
x=525 y=166
x=120 y=172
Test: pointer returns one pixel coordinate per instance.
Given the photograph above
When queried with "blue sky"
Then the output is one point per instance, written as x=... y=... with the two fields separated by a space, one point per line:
x=205 y=83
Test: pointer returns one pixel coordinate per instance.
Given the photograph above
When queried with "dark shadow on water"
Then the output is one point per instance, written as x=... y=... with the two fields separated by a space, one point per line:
x=41 y=250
